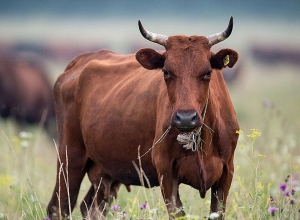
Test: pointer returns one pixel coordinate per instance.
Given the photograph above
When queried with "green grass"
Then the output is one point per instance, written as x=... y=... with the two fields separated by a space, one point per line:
x=28 y=164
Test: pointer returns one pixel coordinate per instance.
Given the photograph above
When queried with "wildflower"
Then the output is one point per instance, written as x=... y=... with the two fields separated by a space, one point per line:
x=116 y=208
x=272 y=199
x=294 y=180
x=239 y=132
x=272 y=210
x=25 y=144
x=24 y=135
x=293 y=191
x=47 y=218
x=2 y=215
x=292 y=201
x=214 y=215
x=143 y=206
x=255 y=133
x=282 y=187
x=261 y=155
x=123 y=215
x=152 y=211
x=286 y=194
x=242 y=146
x=267 y=103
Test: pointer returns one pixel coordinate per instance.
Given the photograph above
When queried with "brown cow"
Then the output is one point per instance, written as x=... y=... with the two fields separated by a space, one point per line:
x=25 y=91
x=174 y=105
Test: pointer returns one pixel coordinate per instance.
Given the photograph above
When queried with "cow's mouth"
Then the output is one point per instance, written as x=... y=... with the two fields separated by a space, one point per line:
x=186 y=129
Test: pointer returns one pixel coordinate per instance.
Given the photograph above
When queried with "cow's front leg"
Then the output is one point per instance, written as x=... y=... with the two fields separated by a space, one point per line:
x=169 y=188
x=219 y=191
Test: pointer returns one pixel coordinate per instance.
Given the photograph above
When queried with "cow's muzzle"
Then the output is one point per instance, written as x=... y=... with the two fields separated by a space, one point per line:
x=186 y=121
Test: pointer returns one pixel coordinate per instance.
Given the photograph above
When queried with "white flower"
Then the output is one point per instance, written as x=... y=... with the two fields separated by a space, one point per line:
x=153 y=211
x=2 y=216
x=24 y=144
x=214 y=215
x=24 y=134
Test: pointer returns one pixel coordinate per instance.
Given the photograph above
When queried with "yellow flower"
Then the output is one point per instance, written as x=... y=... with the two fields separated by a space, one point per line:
x=6 y=180
x=255 y=133
x=242 y=146
x=240 y=182
x=239 y=132
x=259 y=185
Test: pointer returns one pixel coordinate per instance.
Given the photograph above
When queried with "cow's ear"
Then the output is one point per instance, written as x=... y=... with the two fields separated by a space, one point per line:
x=150 y=59
x=225 y=57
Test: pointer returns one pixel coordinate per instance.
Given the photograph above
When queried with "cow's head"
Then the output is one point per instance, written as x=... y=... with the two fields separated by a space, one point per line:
x=187 y=65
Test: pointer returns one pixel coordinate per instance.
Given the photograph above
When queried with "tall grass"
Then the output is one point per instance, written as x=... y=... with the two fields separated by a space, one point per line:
x=28 y=172
x=24 y=170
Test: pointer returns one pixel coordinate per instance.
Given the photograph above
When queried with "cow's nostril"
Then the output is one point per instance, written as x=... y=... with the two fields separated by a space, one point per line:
x=177 y=117
x=194 y=117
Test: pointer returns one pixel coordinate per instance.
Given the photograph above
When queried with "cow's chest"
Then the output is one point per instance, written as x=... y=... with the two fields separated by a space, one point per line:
x=199 y=170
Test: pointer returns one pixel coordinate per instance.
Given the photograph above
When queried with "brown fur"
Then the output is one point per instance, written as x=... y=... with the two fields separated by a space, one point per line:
x=108 y=105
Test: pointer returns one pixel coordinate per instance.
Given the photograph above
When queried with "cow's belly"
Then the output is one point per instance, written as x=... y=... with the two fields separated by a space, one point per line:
x=124 y=167
x=128 y=174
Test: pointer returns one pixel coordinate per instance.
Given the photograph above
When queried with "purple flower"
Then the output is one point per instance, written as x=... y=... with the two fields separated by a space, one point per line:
x=143 y=206
x=272 y=210
x=294 y=182
x=282 y=187
x=272 y=199
x=286 y=194
x=293 y=191
x=47 y=218
x=115 y=208
x=267 y=103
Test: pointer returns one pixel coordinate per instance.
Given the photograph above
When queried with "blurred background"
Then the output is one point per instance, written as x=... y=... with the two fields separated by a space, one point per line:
x=264 y=85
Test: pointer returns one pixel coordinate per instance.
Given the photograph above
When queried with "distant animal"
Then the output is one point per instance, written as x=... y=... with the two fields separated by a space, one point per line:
x=156 y=118
x=275 y=54
x=25 y=91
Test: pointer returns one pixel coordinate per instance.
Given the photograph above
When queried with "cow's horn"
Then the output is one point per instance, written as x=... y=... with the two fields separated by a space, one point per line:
x=218 y=37
x=156 y=38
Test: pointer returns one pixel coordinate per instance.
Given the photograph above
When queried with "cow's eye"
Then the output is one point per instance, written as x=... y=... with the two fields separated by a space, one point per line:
x=208 y=74
x=166 y=73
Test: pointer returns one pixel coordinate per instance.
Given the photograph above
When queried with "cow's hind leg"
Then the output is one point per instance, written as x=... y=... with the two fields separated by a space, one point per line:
x=93 y=206
x=71 y=168
x=95 y=202
x=100 y=195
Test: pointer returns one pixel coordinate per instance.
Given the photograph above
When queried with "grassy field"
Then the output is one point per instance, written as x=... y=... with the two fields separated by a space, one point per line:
x=267 y=160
